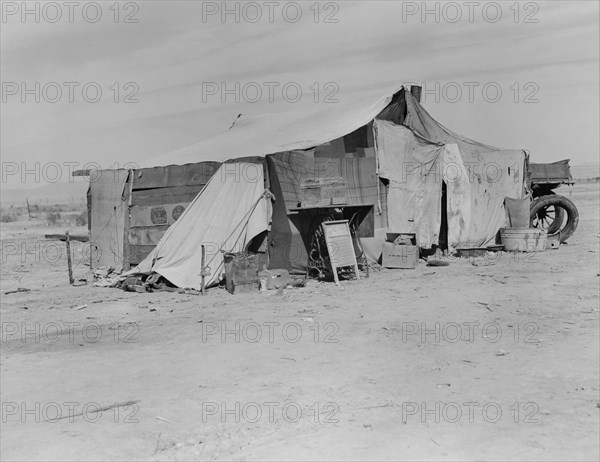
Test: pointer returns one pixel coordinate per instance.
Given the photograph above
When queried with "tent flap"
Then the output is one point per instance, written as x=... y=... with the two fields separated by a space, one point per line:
x=477 y=179
x=411 y=165
x=224 y=217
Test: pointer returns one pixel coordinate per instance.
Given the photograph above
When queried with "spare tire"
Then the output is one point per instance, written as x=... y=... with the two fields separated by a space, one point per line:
x=550 y=218
x=541 y=205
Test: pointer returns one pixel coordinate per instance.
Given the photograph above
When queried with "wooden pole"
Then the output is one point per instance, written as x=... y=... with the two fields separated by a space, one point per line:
x=415 y=91
x=202 y=263
x=69 y=265
x=127 y=252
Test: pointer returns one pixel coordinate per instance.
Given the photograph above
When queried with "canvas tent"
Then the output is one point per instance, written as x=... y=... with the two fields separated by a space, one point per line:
x=395 y=158
x=228 y=213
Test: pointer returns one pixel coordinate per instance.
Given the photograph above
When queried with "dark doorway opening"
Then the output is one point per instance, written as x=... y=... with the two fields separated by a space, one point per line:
x=442 y=243
x=443 y=239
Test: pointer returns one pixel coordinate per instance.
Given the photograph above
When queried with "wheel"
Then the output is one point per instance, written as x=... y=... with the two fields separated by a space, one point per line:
x=548 y=212
x=550 y=218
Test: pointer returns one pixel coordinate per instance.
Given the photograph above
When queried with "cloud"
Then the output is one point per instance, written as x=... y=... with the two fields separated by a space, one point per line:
x=171 y=52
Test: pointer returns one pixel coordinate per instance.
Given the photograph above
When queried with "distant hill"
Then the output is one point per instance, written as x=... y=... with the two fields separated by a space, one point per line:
x=54 y=193
x=585 y=171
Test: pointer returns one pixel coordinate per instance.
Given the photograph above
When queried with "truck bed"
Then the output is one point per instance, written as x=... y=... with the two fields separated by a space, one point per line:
x=554 y=173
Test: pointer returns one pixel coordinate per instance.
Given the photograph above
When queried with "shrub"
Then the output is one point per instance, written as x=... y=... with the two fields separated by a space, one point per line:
x=53 y=218
x=8 y=217
x=82 y=218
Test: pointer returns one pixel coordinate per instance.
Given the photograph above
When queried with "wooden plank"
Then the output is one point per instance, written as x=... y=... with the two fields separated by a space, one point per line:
x=174 y=175
x=145 y=215
x=163 y=196
x=127 y=221
x=149 y=235
x=63 y=237
x=69 y=262
x=98 y=410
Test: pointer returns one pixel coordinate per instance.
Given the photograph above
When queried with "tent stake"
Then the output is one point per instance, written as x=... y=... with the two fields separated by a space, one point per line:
x=202 y=262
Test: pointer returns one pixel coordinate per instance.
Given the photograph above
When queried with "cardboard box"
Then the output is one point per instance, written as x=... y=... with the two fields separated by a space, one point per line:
x=402 y=238
x=324 y=191
x=405 y=255
x=399 y=256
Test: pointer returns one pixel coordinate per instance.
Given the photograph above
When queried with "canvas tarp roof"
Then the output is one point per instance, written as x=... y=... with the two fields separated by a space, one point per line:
x=287 y=131
x=405 y=135
x=224 y=216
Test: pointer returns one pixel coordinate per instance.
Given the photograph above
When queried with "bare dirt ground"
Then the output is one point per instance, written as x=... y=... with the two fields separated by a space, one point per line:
x=490 y=358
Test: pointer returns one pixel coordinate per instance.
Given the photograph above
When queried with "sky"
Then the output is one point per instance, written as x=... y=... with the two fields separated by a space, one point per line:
x=88 y=84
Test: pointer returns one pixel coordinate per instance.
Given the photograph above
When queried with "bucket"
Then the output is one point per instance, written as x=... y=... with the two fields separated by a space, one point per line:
x=553 y=241
x=523 y=239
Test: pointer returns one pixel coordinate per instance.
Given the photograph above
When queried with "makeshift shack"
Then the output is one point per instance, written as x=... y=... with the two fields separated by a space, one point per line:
x=431 y=169
x=404 y=173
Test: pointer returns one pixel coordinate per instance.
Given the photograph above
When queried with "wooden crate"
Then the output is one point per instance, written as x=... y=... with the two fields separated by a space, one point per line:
x=400 y=251
x=241 y=273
